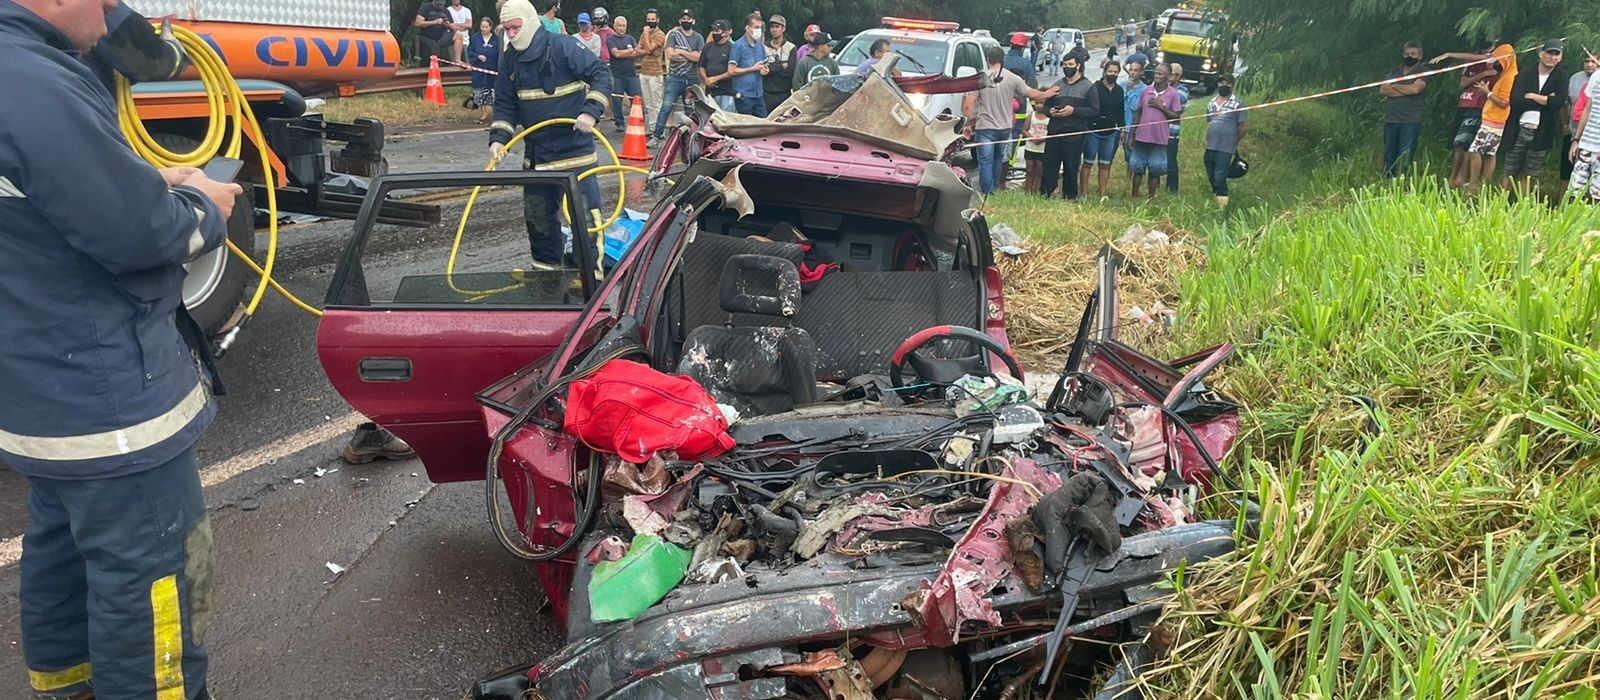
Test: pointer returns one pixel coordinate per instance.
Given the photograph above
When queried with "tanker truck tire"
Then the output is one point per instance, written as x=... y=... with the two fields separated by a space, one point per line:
x=213 y=289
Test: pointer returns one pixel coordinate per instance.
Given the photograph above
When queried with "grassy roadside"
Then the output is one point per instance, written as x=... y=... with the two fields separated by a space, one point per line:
x=1301 y=156
x=403 y=109
x=1440 y=546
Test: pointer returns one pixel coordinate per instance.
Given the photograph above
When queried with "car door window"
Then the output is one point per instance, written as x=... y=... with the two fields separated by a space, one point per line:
x=968 y=55
x=485 y=262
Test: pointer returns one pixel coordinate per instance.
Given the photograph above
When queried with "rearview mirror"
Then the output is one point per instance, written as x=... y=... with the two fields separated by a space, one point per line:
x=966 y=72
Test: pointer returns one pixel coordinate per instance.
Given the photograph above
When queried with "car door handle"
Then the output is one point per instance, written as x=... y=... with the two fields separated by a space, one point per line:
x=385 y=369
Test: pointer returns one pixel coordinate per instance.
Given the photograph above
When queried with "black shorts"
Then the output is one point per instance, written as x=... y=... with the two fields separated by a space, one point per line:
x=1467 y=122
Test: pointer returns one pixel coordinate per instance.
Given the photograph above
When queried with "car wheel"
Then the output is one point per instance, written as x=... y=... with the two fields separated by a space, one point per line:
x=214 y=283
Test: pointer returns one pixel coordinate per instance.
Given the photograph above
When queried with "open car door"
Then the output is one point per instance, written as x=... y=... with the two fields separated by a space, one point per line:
x=552 y=481
x=411 y=350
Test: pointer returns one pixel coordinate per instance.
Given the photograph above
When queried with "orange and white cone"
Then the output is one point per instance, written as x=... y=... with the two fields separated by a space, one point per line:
x=633 y=142
x=435 y=90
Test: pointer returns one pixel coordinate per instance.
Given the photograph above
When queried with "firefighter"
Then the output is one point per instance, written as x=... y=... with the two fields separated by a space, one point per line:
x=103 y=400
x=544 y=76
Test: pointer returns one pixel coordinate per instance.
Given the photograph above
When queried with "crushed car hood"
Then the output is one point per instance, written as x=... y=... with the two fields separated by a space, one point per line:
x=869 y=108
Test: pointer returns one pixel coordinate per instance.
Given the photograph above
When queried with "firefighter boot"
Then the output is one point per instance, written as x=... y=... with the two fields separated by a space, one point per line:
x=371 y=442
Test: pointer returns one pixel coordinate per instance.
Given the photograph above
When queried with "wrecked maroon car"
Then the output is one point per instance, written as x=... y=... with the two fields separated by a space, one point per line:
x=785 y=451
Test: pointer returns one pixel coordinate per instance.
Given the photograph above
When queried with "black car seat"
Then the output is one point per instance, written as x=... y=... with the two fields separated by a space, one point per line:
x=757 y=369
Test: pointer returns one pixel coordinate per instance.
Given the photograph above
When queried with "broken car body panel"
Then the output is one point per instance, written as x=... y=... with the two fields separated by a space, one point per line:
x=829 y=285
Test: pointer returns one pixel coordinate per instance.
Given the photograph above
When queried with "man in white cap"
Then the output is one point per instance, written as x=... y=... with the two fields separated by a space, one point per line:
x=549 y=76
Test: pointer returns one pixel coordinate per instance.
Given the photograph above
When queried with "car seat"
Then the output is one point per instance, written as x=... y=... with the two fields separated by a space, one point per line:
x=757 y=369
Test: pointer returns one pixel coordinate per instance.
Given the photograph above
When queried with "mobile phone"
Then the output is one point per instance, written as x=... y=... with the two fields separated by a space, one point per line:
x=223 y=169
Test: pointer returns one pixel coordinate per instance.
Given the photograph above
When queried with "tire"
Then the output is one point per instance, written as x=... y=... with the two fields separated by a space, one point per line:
x=213 y=290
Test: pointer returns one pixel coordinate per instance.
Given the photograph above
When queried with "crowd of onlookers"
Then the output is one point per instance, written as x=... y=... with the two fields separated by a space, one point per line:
x=1507 y=123
x=1508 y=118
x=750 y=72
x=1068 y=135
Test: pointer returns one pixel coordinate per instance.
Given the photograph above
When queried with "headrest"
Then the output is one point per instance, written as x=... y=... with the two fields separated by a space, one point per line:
x=760 y=284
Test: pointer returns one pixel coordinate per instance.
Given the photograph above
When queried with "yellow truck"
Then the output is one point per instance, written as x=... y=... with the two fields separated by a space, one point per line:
x=1196 y=41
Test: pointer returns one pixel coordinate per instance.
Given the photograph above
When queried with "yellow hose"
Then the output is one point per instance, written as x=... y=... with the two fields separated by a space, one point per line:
x=228 y=114
x=228 y=111
x=466 y=212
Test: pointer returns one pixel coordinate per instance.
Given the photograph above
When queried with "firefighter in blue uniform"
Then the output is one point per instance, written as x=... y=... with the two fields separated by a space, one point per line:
x=103 y=399
x=543 y=76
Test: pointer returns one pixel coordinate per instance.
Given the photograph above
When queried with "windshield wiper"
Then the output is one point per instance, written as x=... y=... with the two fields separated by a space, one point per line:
x=914 y=62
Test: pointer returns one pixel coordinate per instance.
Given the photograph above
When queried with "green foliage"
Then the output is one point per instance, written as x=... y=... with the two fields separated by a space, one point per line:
x=1440 y=546
x=1292 y=45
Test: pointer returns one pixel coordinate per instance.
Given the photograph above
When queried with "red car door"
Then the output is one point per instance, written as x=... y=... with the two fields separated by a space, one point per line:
x=411 y=354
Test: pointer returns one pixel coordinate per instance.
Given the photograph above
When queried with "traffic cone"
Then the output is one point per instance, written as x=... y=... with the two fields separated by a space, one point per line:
x=435 y=91
x=633 y=142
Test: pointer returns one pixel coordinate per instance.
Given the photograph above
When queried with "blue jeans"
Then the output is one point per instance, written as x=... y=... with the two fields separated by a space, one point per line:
x=107 y=566
x=753 y=105
x=619 y=108
x=1217 y=166
x=670 y=98
x=1399 y=145
x=1101 y=149
x=1147 y=159
x=726 y=103
x=991 y=158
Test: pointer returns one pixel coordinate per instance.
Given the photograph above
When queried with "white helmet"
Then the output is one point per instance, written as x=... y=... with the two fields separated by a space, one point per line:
x=600 y=15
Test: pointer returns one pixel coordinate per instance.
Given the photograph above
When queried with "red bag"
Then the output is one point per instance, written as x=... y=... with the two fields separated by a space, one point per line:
x=633 y=411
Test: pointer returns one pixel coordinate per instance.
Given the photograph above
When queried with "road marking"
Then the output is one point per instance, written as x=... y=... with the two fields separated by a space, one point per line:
x=11 y=547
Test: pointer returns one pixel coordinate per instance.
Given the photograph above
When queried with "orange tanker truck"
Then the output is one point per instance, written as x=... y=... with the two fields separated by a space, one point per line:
x=282 y=53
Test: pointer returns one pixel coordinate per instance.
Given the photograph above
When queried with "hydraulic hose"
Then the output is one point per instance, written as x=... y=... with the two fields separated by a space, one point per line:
x=229 y=116
x=466 y=212
x=230 y=121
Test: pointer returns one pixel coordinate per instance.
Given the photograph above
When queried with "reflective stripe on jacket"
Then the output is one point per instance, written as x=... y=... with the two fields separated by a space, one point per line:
x=97 y=380
x=555 y=78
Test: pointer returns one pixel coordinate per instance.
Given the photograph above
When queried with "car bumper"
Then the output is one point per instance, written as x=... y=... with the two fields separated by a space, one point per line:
x=693 y=644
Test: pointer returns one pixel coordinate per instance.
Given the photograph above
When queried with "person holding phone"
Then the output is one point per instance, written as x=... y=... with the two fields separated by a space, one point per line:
x=104 y=398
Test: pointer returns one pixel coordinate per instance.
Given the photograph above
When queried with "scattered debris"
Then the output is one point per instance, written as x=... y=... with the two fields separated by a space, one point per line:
x=621 y=589
x=335 y=569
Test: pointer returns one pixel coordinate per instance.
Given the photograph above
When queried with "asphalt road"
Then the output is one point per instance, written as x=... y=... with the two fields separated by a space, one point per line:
x=426 y=601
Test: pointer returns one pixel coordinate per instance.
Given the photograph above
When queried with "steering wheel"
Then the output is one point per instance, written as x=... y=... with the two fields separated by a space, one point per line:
x=946 y=370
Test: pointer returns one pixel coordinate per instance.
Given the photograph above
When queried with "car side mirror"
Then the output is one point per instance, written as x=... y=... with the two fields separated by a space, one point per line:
x=966 y=72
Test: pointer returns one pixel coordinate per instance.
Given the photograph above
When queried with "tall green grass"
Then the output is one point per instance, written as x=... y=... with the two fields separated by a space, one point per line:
x=1443 y=545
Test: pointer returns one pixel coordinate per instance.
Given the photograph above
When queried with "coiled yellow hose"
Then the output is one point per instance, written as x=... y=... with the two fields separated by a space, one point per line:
x=229 y=115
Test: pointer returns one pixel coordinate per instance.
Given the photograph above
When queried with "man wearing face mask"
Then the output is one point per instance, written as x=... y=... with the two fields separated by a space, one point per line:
x=1071 y=111
x=715 y=59
x=1226 y=125
x=550 y=76
x=652 y=64
x=1403 y=107
x=747 y=63
x=683 y=49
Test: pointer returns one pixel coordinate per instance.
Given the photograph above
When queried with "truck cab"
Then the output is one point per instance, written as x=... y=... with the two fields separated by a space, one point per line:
x=1197 y=41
